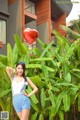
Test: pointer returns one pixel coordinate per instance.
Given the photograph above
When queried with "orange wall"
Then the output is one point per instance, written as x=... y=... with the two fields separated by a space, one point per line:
x=23 y=17
x=11 y=1
x=43 y=12
x=61 y=21
x=1 y=44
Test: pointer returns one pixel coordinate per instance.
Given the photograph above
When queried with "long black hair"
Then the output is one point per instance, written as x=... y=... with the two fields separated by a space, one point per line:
x=23 y=67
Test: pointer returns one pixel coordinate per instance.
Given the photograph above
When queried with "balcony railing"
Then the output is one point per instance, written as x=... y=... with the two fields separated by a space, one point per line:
x=29 y=7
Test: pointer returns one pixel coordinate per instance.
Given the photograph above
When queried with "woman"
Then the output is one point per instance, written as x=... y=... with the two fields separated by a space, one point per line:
x=20 y=98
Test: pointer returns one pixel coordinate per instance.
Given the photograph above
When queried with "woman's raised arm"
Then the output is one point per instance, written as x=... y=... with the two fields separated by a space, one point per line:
x=10 y=71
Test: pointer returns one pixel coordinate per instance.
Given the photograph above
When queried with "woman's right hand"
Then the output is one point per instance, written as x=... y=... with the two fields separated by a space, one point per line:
x=24 y=93
x=14 y=71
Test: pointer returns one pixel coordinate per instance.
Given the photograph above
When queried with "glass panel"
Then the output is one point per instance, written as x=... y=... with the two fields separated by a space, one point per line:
x=3 y=31
x=29 y=7
x=33 y=9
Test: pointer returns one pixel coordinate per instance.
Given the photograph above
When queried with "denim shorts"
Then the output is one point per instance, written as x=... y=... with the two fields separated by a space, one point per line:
x=20 y=102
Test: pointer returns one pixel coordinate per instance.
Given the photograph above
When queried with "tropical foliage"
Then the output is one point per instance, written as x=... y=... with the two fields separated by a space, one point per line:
x=73 y=30
x=55 y=71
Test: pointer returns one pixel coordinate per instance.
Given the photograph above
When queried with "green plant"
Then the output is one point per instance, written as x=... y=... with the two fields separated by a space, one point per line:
x=55 y=71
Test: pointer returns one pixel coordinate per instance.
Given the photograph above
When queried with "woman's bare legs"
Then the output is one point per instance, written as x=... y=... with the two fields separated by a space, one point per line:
x=25 y=114
x=19 y=114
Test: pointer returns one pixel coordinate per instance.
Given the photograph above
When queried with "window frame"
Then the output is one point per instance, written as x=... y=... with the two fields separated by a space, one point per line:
x=6 y=31
x=4 y=17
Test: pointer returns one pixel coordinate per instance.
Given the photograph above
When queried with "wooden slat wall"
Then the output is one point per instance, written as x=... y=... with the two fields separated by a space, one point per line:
x=11 y=1
x=43 y=12
x=61 y=21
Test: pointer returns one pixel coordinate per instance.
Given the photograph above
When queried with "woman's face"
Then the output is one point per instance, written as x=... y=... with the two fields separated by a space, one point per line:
x=19 y=70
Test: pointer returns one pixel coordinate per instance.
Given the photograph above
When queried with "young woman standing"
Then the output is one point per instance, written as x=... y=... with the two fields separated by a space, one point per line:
x=20 y=98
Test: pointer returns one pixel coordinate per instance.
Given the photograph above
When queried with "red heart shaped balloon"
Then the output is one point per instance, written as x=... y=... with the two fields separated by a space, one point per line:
x=30 y=35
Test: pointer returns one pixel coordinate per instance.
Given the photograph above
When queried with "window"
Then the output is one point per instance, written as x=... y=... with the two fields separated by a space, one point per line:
x=3 y=31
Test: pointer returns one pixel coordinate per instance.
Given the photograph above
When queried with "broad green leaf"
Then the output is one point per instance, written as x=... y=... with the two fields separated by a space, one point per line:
x=68 y=77
x=65 y=84
x=41 y=59
x=66 y=102
x=21 y=47
x=41 y=117
x=46 y=49
x=39 y=66
x=56 y=89
x=49 y=85
x=52 y=98
x=52 y=111
x=42 y=97
x=76 y=70
x=33 y=97
x=2 y=106
x=45 y=71
x=2 y=65
x=37 y=51
x=33 y=66
x=51 y=115
x=50 y=69
x=34 y=106
x=61 y=115
x=37 y=81
x=78 y=51
x=9 y=55
x=15 y=54
x=59 y=58
x=41 y=43
x=58 y=101
x=70 y=50
x=61 y=41
x=3 y=59
x=75 y=89
x=79 y=102
x=25 y=58
x=75 y=74
x=34 y=116
x=5 y=92
x=65 y=68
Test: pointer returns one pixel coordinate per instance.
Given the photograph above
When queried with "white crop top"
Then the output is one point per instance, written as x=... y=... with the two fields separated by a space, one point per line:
x=18 y=87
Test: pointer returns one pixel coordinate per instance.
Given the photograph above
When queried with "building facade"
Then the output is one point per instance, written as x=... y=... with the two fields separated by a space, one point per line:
x=43 y=15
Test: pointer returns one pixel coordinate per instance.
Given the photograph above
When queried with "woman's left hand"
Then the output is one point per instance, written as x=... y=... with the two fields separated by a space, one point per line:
x=24 y=93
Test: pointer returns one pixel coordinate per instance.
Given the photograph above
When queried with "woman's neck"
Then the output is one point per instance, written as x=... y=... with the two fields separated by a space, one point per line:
x=19 y=75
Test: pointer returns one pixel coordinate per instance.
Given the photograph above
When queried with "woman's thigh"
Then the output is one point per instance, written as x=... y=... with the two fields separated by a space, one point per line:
x=19 y=115
x=25 y=114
